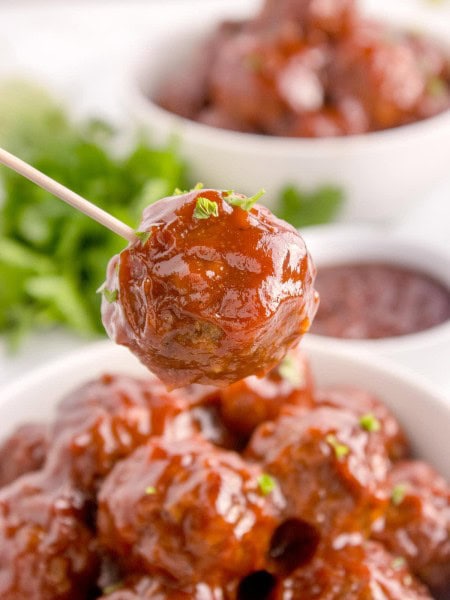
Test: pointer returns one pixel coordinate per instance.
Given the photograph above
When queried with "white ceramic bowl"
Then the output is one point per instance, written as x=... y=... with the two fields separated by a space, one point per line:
x=423 y=413
x=426 y=352
x=382 y=173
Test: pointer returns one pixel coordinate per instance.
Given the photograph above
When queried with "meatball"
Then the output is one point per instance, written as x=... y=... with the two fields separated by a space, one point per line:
x=331 y=470
x=382 y=71
x=218 y=289
x=46 y=550
x=417 y=522
x=372 y=413
x=315 y=16
x=247 y=403
x=108 y=418
x=354 y=572
x=189 y=511
x=23 y=451
x=141 y=588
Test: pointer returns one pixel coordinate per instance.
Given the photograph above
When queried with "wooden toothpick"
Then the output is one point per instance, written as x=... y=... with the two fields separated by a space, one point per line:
x=63 y=193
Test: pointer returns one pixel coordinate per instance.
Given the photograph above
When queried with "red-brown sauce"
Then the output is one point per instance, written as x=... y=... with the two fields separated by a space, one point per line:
x=311 y=68
x=136 y=497
x=376 y=300
x=213 y=299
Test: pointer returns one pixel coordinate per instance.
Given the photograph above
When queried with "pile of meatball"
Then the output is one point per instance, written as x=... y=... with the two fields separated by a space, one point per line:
x=311 y=68
x=268 y=489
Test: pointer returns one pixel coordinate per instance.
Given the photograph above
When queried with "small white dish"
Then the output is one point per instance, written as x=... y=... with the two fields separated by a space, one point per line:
x=426 y=352
x=383 y=173
x=424 y=414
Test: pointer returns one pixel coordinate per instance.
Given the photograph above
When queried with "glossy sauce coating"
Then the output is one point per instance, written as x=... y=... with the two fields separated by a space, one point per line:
x=24 y=451
x=133 y=503
x=247 y=403
x=311 y=68
x=417 y=522
x=210 y=300
x=46 y=550
x=330 y=469
x=181 y=509
x=375 y=300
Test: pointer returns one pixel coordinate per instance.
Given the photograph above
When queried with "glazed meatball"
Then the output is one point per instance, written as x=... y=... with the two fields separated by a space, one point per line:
x=331 y=470
x=24 y=451
x=108 y=418
x=46 y=550
x=354 y=572
x=253 y=400
x=142 y=588
x=372 y=413
x=189 y=511
x=219 y=290
x=417 y=522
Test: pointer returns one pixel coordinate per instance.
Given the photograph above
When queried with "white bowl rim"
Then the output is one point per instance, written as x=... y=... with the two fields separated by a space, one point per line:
x=90 y=353
x=367 y=233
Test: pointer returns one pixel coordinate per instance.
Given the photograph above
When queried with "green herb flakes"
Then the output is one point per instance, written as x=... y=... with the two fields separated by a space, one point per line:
x=398 y=493
x=289 y=370
x=340 y=450
x=110 y=295
x=266 y=484
x=398 y=563
x=369 y=422
x=205 y=208
x=244 y=202
x=143 y=236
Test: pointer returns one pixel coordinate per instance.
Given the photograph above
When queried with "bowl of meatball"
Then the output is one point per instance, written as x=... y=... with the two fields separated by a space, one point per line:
x=324 y=479
x=304 y=92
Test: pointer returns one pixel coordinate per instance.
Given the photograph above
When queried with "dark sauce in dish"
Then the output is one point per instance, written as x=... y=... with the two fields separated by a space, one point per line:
x=376 y=300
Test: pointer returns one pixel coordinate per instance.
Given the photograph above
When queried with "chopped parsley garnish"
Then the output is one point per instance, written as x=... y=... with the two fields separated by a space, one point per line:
x=266 y=484
x=289 y=371
x=110 y=295
x=150 y=490
x=369 y=422
x=143 y=235
x=398 y=563
x=244 y=202
x=179 y=192
x=436 y=87
x=340 y=450
x=398 y=493
x=205 y=208
x=114 y=587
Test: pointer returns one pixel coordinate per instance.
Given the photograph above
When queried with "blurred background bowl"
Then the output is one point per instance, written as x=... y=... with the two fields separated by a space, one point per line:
x=382 y=173
x=426 y=352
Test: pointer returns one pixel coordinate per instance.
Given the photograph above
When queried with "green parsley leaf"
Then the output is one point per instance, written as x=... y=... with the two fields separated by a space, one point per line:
x=436 y=87
x=53 y=259
x=266 y=484
x=301 y=208
x=114 y=587
x=398 y=563
x=143 y=236
x=288 y=369
x=205 y=208
x=198 y=186
x=369 y=422
x=244 y=202
x=150 y=490
x=340 y=450
x=110 y=295
x=398 y=493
